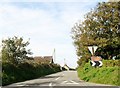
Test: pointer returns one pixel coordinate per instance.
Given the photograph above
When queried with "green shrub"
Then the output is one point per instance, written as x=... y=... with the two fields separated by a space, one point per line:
x=26 y=71
x=111 y=63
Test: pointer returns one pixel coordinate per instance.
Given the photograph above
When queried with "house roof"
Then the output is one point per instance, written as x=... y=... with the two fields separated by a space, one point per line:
x=45 y=59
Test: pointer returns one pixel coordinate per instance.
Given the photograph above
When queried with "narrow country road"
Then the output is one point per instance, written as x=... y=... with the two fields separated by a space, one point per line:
x=65 y=78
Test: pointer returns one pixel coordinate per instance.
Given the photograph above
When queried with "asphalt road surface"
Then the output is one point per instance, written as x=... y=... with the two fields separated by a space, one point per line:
x=65 y=78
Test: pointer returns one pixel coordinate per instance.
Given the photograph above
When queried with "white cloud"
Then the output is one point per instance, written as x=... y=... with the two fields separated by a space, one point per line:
x=46 y=28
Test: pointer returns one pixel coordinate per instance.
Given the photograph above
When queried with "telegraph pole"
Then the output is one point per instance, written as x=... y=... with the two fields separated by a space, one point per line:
x=54 y=56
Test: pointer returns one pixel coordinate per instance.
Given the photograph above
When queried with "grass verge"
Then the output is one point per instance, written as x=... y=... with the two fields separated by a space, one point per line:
x=102 y=75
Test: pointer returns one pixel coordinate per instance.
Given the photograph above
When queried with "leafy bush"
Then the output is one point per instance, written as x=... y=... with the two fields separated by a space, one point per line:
x=26 y=71
x=14 y=50
x=111 y=63
x=83 y=60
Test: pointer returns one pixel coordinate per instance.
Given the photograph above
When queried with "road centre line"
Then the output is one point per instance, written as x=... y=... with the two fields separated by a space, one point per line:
x=50 y=84
x=20 y=85
x=69 y=82
x=64 y=82
x=57 y=78
x=74 y=82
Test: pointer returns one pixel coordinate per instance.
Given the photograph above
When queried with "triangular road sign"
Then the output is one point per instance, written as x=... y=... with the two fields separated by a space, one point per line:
x=90 y=49
x=95 y=48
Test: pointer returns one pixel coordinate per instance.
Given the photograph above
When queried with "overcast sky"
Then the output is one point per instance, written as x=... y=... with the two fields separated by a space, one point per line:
x=47 y=24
